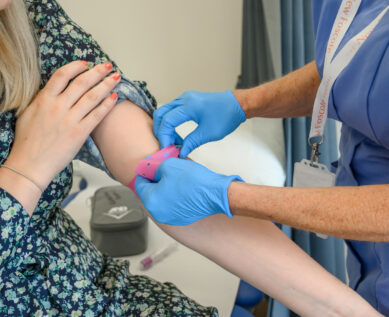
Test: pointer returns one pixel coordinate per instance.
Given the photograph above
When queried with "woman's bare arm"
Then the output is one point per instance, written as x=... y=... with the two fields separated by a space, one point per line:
x=253 y=249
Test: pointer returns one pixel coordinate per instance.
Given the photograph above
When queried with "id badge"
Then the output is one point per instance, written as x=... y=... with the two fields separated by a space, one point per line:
x=315 y=175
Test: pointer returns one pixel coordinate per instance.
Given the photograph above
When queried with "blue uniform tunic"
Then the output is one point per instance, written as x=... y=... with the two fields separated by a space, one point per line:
x=360 y=100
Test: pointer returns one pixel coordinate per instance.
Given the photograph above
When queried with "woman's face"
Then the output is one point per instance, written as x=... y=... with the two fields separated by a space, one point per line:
x=4 y=4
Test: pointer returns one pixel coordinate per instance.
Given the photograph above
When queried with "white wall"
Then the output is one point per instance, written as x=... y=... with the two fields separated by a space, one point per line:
x=174 y=45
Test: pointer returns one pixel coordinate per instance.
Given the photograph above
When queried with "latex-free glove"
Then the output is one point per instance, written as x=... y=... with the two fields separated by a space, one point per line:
x=217 y=115
x=184 y=192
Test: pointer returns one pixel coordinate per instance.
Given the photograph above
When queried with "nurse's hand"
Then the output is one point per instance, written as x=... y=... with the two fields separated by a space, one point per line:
x=217 y=115
x=184 y=192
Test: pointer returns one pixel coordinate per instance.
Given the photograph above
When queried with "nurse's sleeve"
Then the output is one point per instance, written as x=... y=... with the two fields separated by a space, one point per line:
x=378 y=101
x=62 y=41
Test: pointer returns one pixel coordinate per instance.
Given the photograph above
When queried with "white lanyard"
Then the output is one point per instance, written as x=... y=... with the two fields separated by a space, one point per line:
x=334 y=66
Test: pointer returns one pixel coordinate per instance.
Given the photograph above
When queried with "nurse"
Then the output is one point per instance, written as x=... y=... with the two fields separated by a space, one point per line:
x=349 y=82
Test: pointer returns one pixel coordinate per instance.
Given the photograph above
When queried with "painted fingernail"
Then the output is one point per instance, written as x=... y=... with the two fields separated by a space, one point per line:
x=85 y=63
x=116 y=76
x=114 y=96
x=108 y=65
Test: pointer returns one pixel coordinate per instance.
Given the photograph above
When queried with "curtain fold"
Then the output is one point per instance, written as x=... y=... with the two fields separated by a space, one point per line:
x=257 y=64
x=297 y=44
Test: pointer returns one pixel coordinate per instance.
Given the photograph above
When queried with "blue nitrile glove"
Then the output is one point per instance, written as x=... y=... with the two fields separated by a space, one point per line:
x=216 y=113
x=184 y=192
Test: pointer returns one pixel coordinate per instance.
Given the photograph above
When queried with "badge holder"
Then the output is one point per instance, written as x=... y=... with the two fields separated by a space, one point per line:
x=310 y=173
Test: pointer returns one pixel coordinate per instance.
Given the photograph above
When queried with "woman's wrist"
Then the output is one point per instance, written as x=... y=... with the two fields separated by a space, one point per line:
x=12 y=169
x=20 y=188
x=352 y=304
x=36 y=174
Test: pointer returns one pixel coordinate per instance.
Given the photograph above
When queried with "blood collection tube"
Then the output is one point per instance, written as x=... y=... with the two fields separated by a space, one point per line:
x=158 y=256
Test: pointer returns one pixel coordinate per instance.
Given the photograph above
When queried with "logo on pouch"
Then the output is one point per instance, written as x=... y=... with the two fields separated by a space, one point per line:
x=118 y=212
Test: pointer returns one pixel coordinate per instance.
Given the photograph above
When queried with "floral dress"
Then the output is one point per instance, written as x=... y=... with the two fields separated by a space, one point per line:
x=47 y=265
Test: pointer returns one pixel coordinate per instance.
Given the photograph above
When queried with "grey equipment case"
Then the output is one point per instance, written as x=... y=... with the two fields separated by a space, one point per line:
x=118 y=224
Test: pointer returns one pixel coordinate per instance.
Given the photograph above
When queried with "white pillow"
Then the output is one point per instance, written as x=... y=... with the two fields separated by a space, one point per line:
x=255 y=151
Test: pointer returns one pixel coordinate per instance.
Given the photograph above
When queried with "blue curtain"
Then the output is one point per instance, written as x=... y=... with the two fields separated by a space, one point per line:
x=297 y=50
x=257 y=67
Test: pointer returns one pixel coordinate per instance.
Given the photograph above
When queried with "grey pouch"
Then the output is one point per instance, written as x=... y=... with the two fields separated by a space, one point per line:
x=118 y=224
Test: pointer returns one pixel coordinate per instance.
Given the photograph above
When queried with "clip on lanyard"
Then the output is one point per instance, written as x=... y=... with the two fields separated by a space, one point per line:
x=334 y=66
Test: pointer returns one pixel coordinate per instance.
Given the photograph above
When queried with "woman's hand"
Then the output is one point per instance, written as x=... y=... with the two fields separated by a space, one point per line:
x=52 y=129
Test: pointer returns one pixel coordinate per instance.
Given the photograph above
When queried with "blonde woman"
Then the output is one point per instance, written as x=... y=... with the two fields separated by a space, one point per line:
x=47 y=266
x=49 y=107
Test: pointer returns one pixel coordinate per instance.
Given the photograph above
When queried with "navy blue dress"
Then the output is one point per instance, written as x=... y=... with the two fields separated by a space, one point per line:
x=47 y=265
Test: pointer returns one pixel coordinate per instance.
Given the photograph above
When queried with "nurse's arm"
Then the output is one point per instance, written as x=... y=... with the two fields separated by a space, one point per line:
x=292 y=95
x=255 y=250
x=356 y=213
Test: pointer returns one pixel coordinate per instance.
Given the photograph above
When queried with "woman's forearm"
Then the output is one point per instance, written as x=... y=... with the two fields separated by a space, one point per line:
x=258 y=252
x=357 y=213
x=253 y=249
x=292 y=95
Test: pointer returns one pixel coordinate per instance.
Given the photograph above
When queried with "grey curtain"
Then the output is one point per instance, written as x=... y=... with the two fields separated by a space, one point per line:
x=257 y=64
x=297 y=42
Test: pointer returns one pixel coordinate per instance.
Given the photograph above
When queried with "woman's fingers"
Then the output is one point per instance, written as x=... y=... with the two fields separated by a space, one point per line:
x=98 y=114
x=60 y=79
x=84 y=82
x=53 y=128
x=93 y=97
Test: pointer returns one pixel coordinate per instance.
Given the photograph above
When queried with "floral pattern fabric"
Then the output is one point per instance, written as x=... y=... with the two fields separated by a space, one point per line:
x=47 y=265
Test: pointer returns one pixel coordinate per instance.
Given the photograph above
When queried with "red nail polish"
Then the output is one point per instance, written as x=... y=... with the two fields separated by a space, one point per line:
x=108 y=65
x=85 y=63
x=114 y=96
x=116 y=76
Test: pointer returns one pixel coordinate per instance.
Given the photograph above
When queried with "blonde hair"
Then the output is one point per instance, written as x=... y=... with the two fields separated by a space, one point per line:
x=19 y=63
